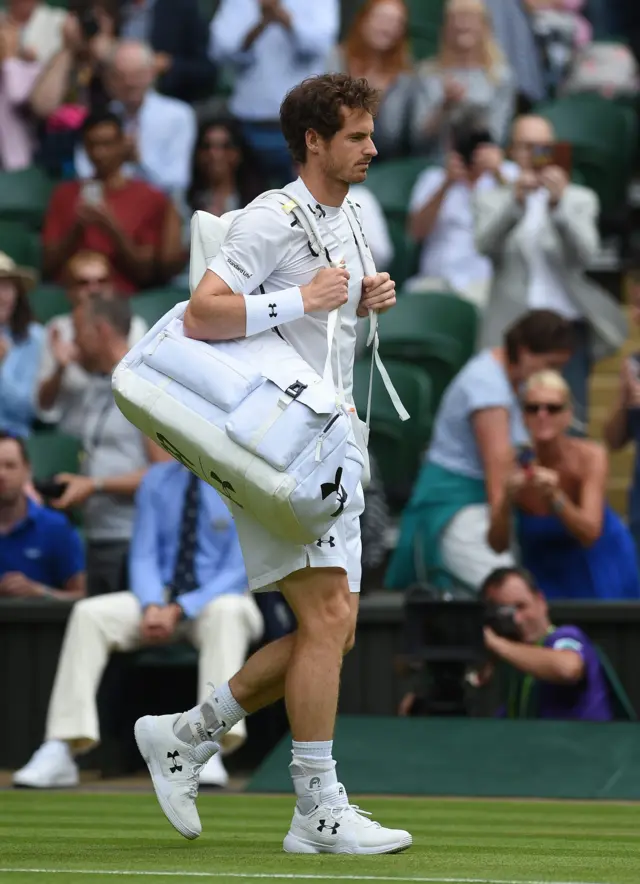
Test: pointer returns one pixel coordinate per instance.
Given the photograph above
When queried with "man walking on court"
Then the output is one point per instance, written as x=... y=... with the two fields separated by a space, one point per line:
x=267 y=276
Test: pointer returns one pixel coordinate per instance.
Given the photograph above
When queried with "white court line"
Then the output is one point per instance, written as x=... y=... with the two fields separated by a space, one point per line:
x=277 y=877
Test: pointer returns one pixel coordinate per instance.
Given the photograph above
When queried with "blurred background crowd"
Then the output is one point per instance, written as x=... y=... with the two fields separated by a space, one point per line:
x=504 y=202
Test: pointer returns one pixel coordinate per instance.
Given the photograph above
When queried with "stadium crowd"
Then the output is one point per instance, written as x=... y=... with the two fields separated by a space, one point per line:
x=508 y=140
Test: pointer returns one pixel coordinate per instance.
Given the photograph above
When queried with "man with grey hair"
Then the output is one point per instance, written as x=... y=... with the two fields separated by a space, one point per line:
x=116 y=454
x=161 y=130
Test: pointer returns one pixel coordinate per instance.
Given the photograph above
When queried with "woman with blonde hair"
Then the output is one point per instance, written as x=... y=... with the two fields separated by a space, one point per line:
x=468 y=81
x=377 y=48
x=554 y=501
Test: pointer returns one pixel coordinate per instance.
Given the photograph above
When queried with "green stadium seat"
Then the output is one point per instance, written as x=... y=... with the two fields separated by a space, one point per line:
x=48 y=301
x=20 y=243
x=604 y=138
x=392 y=182
x=25 y=195
x=425 y=24
x=433 y=330
x=152 y=305
x=397 y=445
x=52 y=452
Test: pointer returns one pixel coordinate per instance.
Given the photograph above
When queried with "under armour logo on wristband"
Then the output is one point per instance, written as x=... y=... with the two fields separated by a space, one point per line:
x=328 y=488
x=272 y=311
x=331 y=541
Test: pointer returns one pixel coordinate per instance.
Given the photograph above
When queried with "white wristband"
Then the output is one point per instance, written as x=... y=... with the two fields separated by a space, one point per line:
x=267 y=311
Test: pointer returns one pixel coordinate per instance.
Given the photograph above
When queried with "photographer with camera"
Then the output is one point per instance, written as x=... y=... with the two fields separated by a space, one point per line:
x=553 y=672
x=541 y=235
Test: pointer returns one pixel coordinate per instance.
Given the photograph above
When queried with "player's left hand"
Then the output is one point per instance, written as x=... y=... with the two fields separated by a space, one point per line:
x=378 y=293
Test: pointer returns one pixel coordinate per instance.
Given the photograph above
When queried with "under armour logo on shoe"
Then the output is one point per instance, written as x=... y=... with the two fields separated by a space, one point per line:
x=314 y=783
x=327 y=488
x=272 y=311
x=333 y=829
x=173 y=756
x=331 y=541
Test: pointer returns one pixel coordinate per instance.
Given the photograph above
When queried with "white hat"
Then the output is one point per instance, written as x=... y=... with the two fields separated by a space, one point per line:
x=10 y=270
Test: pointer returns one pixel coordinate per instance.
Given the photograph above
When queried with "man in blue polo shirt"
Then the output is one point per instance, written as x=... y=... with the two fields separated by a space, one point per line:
x=556 y=672
x=41 y=554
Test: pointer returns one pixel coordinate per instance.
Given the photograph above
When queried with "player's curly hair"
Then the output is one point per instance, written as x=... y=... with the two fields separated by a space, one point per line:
x=316 y=104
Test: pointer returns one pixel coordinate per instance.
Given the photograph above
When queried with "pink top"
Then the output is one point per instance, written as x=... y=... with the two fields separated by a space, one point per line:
x=17 y=142
x=585 y=31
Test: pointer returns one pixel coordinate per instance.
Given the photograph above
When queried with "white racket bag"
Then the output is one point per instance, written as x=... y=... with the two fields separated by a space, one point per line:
x=249 y=416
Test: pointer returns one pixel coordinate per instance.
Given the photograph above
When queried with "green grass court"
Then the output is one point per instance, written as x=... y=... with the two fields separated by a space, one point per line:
x=58 y=837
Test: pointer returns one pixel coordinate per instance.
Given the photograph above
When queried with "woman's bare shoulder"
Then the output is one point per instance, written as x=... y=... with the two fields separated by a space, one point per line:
x=590 y=453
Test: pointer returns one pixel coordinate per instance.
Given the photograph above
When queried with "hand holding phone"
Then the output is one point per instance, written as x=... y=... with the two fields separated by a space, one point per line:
x=92 y=193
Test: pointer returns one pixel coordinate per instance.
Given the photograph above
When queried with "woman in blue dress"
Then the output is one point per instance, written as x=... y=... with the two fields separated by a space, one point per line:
x=569 y=538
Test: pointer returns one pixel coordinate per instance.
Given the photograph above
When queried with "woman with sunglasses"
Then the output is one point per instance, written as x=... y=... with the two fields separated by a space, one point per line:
x=573 y=543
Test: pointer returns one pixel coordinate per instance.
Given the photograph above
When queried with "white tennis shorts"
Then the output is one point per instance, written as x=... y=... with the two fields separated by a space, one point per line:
x=268 y=559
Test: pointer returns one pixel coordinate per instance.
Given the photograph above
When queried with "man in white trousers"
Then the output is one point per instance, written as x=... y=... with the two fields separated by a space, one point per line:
x=187 y=580
x=268 y=277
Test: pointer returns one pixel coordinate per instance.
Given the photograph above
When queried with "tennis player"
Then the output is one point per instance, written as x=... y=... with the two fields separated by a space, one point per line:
x=267 y=277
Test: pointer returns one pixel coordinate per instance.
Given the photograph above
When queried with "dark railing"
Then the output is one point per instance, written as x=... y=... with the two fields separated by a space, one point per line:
x=31 y=633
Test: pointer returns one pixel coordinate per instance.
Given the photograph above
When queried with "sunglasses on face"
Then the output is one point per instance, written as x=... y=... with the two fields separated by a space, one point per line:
x=549 y=407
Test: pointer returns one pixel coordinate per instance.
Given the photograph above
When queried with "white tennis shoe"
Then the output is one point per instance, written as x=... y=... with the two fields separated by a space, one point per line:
x=175 y=769
x=344 y=829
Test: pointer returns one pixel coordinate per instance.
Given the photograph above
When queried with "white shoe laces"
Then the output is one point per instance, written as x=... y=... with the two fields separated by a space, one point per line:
x=193 y=781
x=353 y=808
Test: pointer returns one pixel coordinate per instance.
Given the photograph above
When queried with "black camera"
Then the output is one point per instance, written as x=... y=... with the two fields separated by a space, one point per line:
x=87 y=17
x=89 y=24
x=501 y=618
x=49 y=489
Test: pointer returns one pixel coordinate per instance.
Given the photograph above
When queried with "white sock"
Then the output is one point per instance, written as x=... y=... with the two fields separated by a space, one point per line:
x=313 y=772
x=210 y=721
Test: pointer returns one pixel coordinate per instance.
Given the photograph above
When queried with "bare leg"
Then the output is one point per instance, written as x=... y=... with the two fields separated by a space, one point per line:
x=261 y=681
x=319 y=598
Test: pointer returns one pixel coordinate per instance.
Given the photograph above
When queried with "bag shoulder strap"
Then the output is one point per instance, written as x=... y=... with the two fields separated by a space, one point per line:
x=305 y=217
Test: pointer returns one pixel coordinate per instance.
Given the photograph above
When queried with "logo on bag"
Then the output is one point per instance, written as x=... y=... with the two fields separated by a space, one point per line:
x=171 y=449
x=226 y=488
x=328 y=488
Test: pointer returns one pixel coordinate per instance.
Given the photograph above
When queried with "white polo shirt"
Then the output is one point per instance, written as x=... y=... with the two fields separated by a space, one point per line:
x=263 y=252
